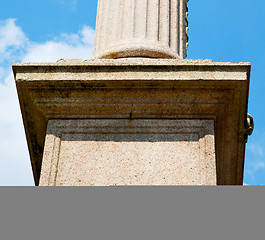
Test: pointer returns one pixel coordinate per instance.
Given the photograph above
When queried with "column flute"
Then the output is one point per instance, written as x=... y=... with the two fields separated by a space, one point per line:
x=141 y=28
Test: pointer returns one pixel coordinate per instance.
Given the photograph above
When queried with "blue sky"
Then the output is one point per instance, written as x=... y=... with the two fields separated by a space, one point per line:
x=47 y=30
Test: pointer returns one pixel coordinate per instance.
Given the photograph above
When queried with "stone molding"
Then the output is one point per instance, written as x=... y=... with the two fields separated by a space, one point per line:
x=139 y=89
x=58 y=159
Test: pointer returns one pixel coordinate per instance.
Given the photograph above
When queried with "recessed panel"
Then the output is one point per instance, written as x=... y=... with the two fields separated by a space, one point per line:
x=133 y=152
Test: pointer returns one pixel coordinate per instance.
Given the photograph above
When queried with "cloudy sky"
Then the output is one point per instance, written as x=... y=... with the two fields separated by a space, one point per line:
x=48 y=30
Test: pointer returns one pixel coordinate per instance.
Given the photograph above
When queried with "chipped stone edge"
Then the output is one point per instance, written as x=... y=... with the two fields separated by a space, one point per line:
x=133 y=61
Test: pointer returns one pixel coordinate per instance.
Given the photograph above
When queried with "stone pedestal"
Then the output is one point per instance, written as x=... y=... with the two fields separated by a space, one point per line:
x=129 y=152
x=135 y=122
x=141 y=28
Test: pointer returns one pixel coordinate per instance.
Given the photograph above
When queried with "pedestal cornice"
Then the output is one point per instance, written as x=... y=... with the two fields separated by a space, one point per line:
x=138 y=89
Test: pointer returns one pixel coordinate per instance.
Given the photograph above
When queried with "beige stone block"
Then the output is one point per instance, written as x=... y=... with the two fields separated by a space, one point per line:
x=129 y=152
x=139 y=89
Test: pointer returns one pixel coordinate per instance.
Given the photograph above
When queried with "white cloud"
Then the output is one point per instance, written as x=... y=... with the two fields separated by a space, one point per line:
x=15 y=166
x=255 y=158
x=256 y=149
x=70 y=3
x=73 y=46
x=11 y=38
x=259 y=165
x=88 y=35
x=2 y=73
x=14 y=159
x=10 y=35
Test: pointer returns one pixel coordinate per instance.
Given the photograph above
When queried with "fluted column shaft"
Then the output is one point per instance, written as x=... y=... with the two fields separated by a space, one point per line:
x=141 y=28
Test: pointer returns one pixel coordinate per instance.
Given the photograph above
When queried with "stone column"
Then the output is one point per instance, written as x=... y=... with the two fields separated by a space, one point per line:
x=135 y=120
x=141 y=28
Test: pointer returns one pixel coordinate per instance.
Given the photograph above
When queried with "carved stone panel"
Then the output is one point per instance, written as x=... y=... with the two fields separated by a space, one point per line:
x=129 y=152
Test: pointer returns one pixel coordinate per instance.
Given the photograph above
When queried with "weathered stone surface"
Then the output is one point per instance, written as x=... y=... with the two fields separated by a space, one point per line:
x=141 y=28
x=129 y=152
x=139 y=89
